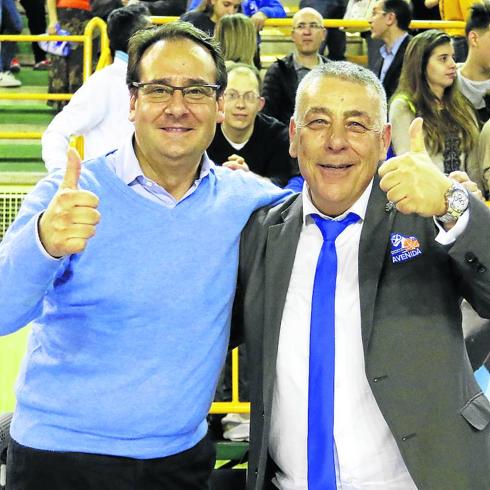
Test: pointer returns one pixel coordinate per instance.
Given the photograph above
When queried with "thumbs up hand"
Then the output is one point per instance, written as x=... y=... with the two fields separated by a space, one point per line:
x=412 y=181
x=69 y=221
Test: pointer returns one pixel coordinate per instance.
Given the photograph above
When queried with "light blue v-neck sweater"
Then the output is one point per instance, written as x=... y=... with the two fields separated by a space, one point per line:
x=128 y=337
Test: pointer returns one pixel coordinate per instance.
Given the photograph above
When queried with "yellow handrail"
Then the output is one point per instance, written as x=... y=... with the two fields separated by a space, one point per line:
x=348 y=23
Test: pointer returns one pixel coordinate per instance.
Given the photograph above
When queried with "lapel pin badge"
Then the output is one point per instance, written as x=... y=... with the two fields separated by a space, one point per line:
x=404 y=248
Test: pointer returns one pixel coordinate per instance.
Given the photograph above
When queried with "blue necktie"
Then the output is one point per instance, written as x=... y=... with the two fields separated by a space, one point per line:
x=321 y=459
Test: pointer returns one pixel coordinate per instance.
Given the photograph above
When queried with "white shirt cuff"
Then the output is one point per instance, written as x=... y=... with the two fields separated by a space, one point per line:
x=449 y=237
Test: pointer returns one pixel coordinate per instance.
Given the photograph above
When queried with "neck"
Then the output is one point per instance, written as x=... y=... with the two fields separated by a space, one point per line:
x=473 y=70
x=175 y=176
x=237 y=136
x=391 y=37
x=437 y=91
x=307 y=60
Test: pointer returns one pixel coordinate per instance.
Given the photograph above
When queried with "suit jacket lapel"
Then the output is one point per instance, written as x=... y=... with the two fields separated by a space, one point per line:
x=282 y=241
x=372 y=249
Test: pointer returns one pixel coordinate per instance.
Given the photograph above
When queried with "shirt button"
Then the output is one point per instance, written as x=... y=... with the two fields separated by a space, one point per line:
x=470 y=257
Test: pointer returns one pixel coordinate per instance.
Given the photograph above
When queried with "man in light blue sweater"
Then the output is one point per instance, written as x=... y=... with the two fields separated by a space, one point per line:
x=126 y=268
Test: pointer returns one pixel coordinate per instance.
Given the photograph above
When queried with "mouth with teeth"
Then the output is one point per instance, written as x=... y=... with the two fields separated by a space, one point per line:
x=336 y=167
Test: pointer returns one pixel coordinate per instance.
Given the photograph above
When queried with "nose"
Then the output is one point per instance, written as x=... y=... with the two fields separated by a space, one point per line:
x=176 y=106
x=240 y=101
x=337 y=138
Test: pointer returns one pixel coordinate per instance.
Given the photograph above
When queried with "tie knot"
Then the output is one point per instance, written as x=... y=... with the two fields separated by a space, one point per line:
x=330 y=228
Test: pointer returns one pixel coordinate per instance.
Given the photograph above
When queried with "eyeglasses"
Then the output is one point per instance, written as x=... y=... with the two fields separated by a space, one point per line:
x=354 y=129
x=162 y=92
x=248 y=97
x=302 y=26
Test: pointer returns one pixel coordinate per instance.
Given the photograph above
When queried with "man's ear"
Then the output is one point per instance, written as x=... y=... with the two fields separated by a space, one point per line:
x=390 y=18
x=132 y=105
x=220 y=115
x=261 y=103
x=293 y=146
x=472 y=38
x=386 y=140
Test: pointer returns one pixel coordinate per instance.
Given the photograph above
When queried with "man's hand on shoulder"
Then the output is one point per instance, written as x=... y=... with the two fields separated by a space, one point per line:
x=412 y=181
x=236 y=162
x=70 y=219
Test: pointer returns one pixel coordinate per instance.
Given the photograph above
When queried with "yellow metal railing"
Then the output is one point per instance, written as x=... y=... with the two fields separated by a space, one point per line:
x=86 y=39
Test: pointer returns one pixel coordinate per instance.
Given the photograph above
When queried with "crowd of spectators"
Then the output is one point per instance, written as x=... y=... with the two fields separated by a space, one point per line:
x=419 y=72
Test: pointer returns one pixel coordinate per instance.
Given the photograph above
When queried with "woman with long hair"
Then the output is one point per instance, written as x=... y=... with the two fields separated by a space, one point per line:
x=427 y=88
x=237 y=37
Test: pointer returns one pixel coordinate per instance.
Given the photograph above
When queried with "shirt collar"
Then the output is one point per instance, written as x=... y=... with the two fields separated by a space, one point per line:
x=128 y=169
x=359 y=207
x=299 y=66
x=121 y=55
x=394 y=49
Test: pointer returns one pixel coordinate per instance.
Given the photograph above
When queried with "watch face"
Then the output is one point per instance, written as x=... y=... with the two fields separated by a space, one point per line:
x=459 y=201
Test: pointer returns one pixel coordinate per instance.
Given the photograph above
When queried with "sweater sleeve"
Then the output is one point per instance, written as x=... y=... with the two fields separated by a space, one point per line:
x=26 y=272
x=400 y=118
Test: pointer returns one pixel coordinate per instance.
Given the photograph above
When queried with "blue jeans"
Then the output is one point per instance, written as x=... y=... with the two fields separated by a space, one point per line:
x=11 y=23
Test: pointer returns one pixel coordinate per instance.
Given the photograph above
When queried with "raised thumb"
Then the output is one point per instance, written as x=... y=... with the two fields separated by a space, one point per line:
x=73 y=169
x=416 y=135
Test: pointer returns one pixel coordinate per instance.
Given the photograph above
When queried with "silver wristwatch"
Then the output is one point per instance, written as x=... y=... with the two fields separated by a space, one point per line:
x=456 y=203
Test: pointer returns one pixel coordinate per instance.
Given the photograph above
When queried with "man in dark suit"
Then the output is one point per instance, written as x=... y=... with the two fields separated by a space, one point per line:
x=407 y=410
x=389 y=22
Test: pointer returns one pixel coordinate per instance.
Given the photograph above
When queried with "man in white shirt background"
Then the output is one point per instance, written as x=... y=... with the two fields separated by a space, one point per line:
x=407 y=411
x=99 y=108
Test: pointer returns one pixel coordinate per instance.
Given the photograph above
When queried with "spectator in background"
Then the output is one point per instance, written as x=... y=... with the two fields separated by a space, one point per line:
x=99 y=108
x=336 y=39
x=208 y=12
x=247 y=139
x=389 y=22
x=257 y=10
x=237 y=38
x=474 y=74
x=427 y=89
x=283 y=76
x=166 y=7
x=10 y=23
x=455 y=10
x=66 y=72
x=36 y=20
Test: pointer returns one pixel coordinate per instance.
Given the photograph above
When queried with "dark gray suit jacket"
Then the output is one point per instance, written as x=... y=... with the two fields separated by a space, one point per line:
x=416 y=361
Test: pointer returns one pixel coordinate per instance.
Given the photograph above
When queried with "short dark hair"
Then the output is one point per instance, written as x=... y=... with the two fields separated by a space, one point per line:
x=479 y=18
x=123 y=22
x=402 y=11
x=145 y=38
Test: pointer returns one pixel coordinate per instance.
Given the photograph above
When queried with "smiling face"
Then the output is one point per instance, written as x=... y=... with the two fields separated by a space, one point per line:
x=441 y=69
x=338 y=139
x=175 y=133
x=308 y=32
x=242 y=100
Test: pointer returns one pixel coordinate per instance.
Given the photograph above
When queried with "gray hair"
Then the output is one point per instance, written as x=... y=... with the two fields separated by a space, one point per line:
x=349 y=72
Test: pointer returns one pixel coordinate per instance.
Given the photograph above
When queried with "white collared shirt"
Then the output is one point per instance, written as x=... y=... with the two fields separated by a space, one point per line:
x=367 y=456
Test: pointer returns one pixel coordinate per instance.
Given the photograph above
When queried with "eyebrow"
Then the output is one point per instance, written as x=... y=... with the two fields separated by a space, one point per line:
x=189 y=81
x=327 y=112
